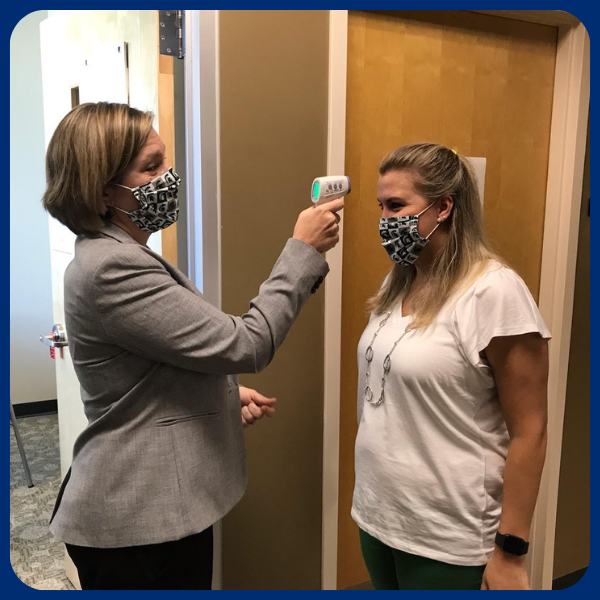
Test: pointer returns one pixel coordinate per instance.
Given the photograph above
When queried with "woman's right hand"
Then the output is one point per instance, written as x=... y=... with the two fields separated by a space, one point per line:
x=318 y=226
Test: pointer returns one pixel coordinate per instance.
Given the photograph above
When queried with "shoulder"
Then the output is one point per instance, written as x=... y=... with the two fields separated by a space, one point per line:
x=100 y=254
x=497 y=274
x=498 y=304
x=495 y=282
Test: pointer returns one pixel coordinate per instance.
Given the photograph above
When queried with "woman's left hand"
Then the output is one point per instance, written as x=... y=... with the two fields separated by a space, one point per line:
x=505 y=572
x=255 y=406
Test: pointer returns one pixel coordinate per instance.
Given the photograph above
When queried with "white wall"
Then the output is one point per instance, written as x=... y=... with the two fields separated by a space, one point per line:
x=68 y=39
x=76 y=35
x=32 y=374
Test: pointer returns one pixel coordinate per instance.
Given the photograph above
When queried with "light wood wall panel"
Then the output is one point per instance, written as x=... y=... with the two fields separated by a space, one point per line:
x=480 y=84
x=166 y=128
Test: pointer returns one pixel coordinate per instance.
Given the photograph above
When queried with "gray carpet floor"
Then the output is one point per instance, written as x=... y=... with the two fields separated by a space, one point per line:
x=36 y=557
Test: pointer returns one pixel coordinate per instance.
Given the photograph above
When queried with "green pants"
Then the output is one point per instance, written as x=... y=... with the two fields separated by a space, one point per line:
x=392 y=569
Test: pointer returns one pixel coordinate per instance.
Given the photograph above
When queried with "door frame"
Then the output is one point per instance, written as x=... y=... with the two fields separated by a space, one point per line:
x=203 y=174
x=557 y=283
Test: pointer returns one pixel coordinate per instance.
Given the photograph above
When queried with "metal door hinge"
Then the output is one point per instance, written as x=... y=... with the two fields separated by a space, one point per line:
x=171 y=32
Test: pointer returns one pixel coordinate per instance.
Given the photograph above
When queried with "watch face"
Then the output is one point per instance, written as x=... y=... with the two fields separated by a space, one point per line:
x=513 y=545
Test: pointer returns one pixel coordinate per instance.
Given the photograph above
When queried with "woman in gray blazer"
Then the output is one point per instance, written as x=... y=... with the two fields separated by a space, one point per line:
x=162 y=457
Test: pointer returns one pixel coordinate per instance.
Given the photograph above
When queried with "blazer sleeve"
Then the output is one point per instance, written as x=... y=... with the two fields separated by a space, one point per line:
x=144 y=310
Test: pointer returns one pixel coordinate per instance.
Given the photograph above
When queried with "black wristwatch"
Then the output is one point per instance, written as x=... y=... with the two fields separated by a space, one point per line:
x=511 y=544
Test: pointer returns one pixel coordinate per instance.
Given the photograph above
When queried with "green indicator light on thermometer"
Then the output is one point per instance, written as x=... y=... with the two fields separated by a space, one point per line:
x=315 y=190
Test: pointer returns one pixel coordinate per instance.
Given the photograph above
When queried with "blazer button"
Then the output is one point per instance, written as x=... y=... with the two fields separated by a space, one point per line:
x=317 y=285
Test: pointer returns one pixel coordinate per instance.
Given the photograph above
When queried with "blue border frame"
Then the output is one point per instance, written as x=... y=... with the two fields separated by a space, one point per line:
x=12 y=585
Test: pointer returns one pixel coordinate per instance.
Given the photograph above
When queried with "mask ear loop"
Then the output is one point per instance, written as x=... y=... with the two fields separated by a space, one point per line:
x=423 y=211
x=438 y=223
x=432 y=231
x=123 y=211
x=116 y=207
x=110 y=210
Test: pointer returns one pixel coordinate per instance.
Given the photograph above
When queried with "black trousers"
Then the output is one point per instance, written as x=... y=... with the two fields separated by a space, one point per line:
x=184 y=564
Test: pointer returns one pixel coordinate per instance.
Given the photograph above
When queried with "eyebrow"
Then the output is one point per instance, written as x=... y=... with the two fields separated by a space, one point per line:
x=155 y=154
x=392 y=199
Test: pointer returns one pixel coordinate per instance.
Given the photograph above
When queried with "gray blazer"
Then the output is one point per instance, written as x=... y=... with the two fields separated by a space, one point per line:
x=162 y=456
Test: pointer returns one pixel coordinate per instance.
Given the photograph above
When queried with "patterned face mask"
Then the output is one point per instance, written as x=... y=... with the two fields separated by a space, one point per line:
x=158 y=199
x=401 y=238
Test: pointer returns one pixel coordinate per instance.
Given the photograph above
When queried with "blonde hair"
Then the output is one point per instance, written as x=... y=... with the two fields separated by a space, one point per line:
x=91 y=147
x=437 y=172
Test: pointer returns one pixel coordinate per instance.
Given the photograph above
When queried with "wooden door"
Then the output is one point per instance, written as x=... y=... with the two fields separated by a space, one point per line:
x=166 y=129
x=480 y=84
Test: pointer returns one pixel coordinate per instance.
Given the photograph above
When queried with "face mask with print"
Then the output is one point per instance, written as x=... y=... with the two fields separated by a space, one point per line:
x=401 y=238
x=158 y=199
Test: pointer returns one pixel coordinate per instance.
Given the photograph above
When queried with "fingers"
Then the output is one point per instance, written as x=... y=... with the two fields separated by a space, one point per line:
x=254 y=410
x=248 y=395
x=247 y=415
x=268 y=411
x=333 y=232
x=333 y=206
x=251 y=412
x=332 y=229
x=263 y=400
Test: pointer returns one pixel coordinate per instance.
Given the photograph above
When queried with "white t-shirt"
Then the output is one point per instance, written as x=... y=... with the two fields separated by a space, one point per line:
x=430 y=459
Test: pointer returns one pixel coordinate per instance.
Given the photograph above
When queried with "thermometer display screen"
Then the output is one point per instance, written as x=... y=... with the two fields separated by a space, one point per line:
x=316 y=189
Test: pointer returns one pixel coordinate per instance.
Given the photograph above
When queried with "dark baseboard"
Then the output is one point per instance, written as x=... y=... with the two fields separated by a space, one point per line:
x=566 y=581
x=31 y=409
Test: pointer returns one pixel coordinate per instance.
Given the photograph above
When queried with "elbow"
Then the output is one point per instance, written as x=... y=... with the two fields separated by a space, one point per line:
x=535 y=435
x=538 y=431
x=262 y=363
x=541 y=442
x=541 y=433
x=263 y=359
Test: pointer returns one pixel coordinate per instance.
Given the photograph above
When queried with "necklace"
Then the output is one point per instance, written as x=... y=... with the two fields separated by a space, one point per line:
x=387 y=363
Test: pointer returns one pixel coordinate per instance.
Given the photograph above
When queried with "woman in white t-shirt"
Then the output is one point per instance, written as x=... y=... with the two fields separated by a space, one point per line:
x=452 y=399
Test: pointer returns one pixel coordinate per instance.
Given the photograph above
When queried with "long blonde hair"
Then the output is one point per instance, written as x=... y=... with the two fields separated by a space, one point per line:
x=91 y=147
x=438 y=171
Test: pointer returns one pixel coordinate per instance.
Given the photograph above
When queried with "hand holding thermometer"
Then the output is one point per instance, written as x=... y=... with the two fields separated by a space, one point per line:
x=325 y=189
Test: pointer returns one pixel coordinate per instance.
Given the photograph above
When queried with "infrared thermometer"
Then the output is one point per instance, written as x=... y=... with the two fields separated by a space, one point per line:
x=326 y=189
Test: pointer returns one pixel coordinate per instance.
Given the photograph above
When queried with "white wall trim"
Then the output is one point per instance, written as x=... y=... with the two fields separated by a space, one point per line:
x=203 y=166
x=565 y=179
x=336 y=155
x=203 y=151
x=559 y=259
x=192 y=146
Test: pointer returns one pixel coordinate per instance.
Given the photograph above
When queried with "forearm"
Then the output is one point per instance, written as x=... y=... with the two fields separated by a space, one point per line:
x=522 y=475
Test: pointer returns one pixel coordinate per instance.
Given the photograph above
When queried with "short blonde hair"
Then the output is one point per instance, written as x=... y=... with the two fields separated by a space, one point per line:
x=437 y=172
x=91 y=147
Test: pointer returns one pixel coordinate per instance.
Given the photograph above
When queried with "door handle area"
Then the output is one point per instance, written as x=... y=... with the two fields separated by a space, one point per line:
x=57 y=339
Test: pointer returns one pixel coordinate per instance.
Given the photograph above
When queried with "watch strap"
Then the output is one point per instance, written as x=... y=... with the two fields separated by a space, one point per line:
x=512 y=544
